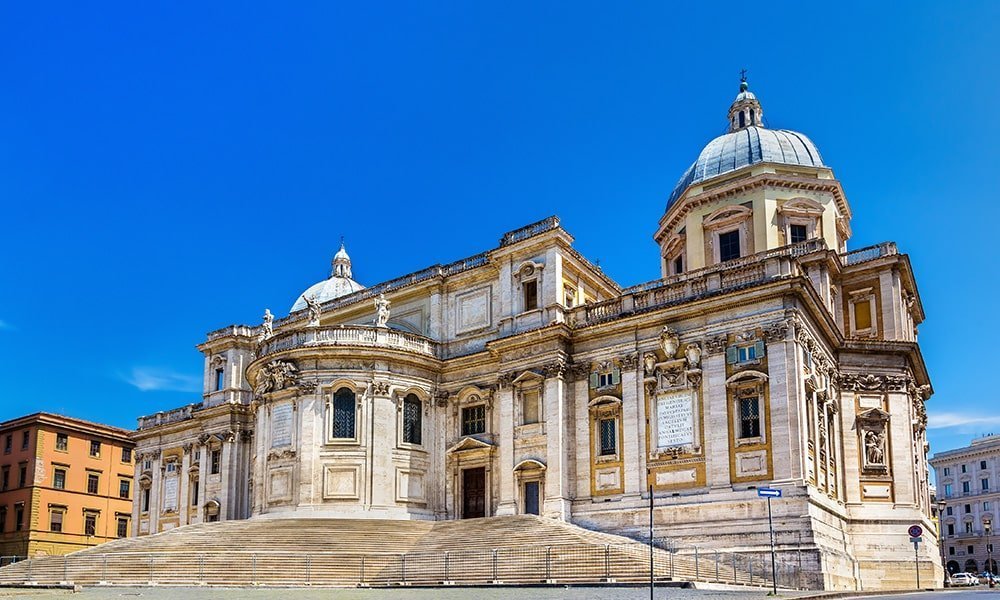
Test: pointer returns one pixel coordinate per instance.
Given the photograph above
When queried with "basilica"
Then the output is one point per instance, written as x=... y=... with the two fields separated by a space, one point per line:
x=524 y=380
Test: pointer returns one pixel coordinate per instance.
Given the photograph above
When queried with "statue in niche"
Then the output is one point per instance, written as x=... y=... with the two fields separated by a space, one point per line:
x=268 y=326
x=875 y=448
x=693 y=354
x=648 y=363
x=381 y=311
x=314 y=310
x=669 y=342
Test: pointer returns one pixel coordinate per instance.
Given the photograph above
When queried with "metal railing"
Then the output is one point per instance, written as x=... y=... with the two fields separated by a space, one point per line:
x=578 y=563
x=9 y=560
x=750 y=567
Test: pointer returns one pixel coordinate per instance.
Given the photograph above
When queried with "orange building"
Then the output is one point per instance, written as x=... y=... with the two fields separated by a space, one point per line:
x=65 y=484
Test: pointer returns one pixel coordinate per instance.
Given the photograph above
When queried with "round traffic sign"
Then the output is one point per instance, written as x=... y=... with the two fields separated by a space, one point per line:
x=915 y=531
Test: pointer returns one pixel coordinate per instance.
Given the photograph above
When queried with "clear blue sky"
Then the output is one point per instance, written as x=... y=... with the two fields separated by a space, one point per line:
x=170 y=168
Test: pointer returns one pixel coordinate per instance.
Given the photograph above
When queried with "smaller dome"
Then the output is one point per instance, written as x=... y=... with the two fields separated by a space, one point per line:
x=339 y=283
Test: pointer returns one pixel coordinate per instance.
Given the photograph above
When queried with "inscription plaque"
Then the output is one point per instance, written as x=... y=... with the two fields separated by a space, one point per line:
x=281 y=426
x=674 y=420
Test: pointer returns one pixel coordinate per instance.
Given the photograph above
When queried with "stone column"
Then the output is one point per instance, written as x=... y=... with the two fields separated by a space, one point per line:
x=156 y=494
x=632 y=397
x=382 y=443
x=715 y=397
x=581 y=454
x=184 y=485
x=225 y=494
x=503 y=404
x=557 y=492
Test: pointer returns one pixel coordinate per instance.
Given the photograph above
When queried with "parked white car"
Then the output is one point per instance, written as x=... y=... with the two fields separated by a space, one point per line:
x=963 y=579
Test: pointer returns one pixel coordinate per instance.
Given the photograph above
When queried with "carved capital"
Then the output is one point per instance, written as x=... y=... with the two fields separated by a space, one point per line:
x=380 y=388
x=630 y=361
x=716 y=345
x=554 y=369
x=775 y=332
x=578 y=371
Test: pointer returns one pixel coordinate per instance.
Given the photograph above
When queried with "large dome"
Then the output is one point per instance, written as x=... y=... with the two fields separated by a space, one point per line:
x=747 y=143
x=339 y=284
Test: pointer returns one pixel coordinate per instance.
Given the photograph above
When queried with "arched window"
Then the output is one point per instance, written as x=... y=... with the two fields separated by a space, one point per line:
x=344 y=407
x=412 y=419
x=743 y=119
x=753 y=117
x=970 y=566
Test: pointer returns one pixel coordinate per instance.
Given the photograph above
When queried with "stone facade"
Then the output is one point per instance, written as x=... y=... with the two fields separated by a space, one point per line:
x=524 y=380
x=967 y=487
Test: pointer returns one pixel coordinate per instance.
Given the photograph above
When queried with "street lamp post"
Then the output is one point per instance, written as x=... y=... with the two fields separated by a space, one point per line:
x=987 y=525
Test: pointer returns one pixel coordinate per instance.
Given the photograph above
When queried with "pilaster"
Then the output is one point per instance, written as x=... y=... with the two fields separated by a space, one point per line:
x=504 y=405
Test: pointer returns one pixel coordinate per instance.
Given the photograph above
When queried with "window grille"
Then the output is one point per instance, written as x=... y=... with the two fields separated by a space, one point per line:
x=412 y=419
x=344 y=409
x=474 y=419
x=749 y=417
x=609 y=445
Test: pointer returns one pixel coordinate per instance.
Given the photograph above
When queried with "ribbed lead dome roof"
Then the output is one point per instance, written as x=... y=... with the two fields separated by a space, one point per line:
x=747 y=143
x=340 y=282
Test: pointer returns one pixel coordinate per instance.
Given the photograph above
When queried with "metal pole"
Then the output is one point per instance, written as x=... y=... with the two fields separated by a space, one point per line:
x=447 y=566
x=651 y=584
x=989 y=554
x=916 y=561
x=774 y=569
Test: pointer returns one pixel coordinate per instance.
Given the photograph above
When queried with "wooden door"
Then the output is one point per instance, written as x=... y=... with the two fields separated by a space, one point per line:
x=473 y=493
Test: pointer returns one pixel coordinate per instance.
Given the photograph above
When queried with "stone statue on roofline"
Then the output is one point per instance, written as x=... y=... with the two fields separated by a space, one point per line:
x=314 y=310
x=267 y=328
x=381 y=311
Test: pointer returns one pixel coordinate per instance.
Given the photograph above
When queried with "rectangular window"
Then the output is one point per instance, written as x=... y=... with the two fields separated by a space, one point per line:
x=124 y=489
x=678 y=265
x=530 y=295
x=5 y=479
x=947 y=471
x=968 y=508
x=345 y=410
x=93 y=483
x=986 y=505
x=8 y=443
x=19 y=517
x=62 y=442
x=947 y=490
x=220 y=379
x=172 y=467
x=951 y=529
x=947 y=511
x=474 y=419
x=126 y=455
x=145 y=500
x=970 y=549
x=25 y=440
x=95 y=448
x=982 y=465
x=122 y=527
x=59 y=479
x=529 y=407
x=963 y=468
x=984 y=484
x=22 y=476
x=968 y=528
x=609 y=437
x=3 y=519
x=862 y=315
x=745 y=353
x=194 y=492
x=749 y=417
x=966 y=487
x=216 y=462
x=797 y=233
x=56 y=520
x=951 y=551
x=90 y=524
x=412 y=420
x=729 y=245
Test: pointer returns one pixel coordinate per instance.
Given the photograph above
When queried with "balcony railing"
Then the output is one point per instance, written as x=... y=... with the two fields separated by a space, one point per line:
x=734 y=274
x=171 y=416
x=348 y=335
x=870 y=253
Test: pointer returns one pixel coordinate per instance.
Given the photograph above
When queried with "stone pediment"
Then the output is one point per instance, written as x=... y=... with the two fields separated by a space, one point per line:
x=873 y=415
x=530 y=464
x=467 y=444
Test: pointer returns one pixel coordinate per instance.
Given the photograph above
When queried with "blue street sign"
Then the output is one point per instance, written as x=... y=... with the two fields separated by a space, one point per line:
x=768 y=493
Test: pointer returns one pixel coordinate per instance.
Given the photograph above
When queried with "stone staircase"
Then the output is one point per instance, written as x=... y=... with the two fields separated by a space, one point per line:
x=352 y=552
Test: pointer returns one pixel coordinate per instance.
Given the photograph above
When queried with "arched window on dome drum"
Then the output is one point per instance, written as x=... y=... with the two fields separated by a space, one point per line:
x=412 y=419
x=344 y=409
x=743 y=119
x=753 y=117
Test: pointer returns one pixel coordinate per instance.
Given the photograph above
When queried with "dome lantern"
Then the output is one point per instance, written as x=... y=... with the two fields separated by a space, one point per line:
x=341 y=265
x=745 y=111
